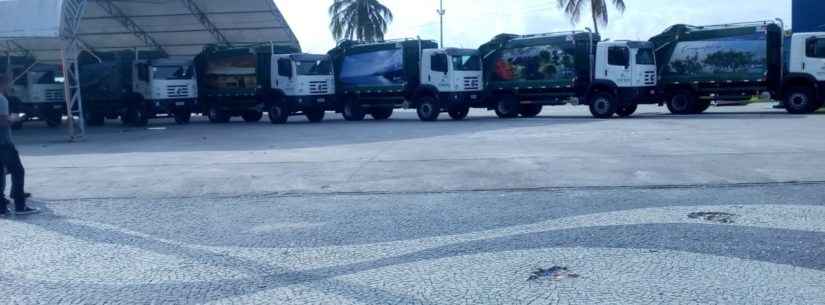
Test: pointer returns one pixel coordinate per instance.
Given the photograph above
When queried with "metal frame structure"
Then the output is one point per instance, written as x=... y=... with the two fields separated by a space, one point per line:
x=177 y=28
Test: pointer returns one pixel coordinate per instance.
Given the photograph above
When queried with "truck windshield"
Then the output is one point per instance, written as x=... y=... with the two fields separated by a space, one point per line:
x=173 y=72
x=644 y=56
x=46 y=78
x=320 y=67
x=467 y=63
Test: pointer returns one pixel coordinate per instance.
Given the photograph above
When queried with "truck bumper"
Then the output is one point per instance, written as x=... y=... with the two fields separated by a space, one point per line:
x=35 y=109
x=640 y=95
x=461 y=99
x=298 y=103
x=163 y=106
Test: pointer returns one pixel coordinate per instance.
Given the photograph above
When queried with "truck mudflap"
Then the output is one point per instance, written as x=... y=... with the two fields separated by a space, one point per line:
x=640 y=95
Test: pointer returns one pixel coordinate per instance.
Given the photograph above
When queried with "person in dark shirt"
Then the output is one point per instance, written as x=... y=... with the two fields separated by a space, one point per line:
x=10 y=159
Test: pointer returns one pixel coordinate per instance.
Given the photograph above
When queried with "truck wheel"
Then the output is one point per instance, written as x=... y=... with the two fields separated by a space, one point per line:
x=353 y=111
x=252 y=116
x=701 y=107
x=315 y=115
x=800 y=100
x=603 y=105
x=627 y=110
x=459 y=113
x=507 y=107
x=218 y=116
x=381 y=114
x=183 y=116
x=428 y=109
x=53 y=118
x=136 y=117
x=530 y=110
x=94 y=118
x=683 y=102
x=278 y=113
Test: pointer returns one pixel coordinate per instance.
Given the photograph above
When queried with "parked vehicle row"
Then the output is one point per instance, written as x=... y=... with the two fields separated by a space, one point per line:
x=686 y=68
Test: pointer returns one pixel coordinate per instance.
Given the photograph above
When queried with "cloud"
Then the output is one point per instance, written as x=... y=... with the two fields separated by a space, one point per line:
x=470 y=23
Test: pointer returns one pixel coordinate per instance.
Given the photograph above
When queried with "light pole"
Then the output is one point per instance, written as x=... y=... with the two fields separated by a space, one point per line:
x=441 y=13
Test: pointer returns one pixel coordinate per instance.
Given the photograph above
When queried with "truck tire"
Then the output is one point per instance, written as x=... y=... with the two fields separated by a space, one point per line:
x=681 y=103
x=278 y=114
x=603 y=105
x=627 y=110
x=53 y=118
x=353 y=111
x=315 y=115
x=252 y=116
x=94 y=118
x=137 y=117
x=182 y=116
x=701 y=107
x=530 y=110
x=217 y=115
x=428 y=109
x=800 y=100
x=381 y=113
x=507 y=107
x=459 y=113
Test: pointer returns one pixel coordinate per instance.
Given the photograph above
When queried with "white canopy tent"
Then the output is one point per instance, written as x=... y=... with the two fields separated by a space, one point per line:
x=58 y=30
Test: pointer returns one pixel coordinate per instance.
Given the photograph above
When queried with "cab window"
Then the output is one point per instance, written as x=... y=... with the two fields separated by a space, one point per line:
x=618 y=56
x=816 y=48
x=439 y=62
x=285 y=68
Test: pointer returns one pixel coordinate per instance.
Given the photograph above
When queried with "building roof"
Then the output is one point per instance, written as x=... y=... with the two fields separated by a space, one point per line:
x=178 y=28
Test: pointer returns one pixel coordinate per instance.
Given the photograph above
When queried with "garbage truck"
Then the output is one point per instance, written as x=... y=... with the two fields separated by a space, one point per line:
x=376 y=78
x=523 y=73
x=136 y=86
x=36 y=92
x=238 y=81
x=730 y=62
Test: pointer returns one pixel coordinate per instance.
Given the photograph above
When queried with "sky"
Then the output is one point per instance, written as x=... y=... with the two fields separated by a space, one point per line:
x=469 y=23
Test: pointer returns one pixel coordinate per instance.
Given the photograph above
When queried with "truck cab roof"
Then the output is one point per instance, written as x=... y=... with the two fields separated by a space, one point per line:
x=629 y=43
x=460 y=52
x=306 y=57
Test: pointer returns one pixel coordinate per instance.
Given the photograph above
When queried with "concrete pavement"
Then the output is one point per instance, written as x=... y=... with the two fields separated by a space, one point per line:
x=723 y=208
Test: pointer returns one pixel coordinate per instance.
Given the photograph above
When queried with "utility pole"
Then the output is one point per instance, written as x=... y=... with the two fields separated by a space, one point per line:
x=441 y=13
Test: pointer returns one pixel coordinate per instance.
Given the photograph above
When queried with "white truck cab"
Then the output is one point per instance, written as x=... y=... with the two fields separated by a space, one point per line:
x=38 y=92
x=165 y=81
x=802 y=84
x=628 y=64
x=452 y=70
x=456 y=80
x=303 y=83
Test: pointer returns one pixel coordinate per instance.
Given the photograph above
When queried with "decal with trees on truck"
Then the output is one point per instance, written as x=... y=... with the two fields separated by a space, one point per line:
x=376 y=78
x=702 y=64
x=36 y=90
x=136 y=86
x=523 y=73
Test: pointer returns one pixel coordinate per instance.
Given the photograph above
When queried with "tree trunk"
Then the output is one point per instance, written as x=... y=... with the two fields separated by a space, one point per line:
x=595 y=21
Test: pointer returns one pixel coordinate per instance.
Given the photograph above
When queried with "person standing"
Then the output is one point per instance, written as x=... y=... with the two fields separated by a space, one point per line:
x=10 y=159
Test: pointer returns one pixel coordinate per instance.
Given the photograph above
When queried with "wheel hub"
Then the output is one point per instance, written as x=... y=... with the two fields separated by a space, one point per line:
x=799 y=100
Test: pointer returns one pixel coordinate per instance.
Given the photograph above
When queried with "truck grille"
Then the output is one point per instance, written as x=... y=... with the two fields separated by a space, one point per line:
x=54 y=95
x=318 y=87
x=472 y=83
x=177 y=91
x=650 y=78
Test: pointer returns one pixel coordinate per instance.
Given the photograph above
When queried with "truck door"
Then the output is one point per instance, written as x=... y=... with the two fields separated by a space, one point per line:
x=618 y=66
x=141 y=80
x=439 y=72
x=814 y=61
x=284 y=79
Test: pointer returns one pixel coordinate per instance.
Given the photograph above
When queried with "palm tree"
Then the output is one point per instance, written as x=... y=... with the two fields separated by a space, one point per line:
x=364 y=20
x=598 y=9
